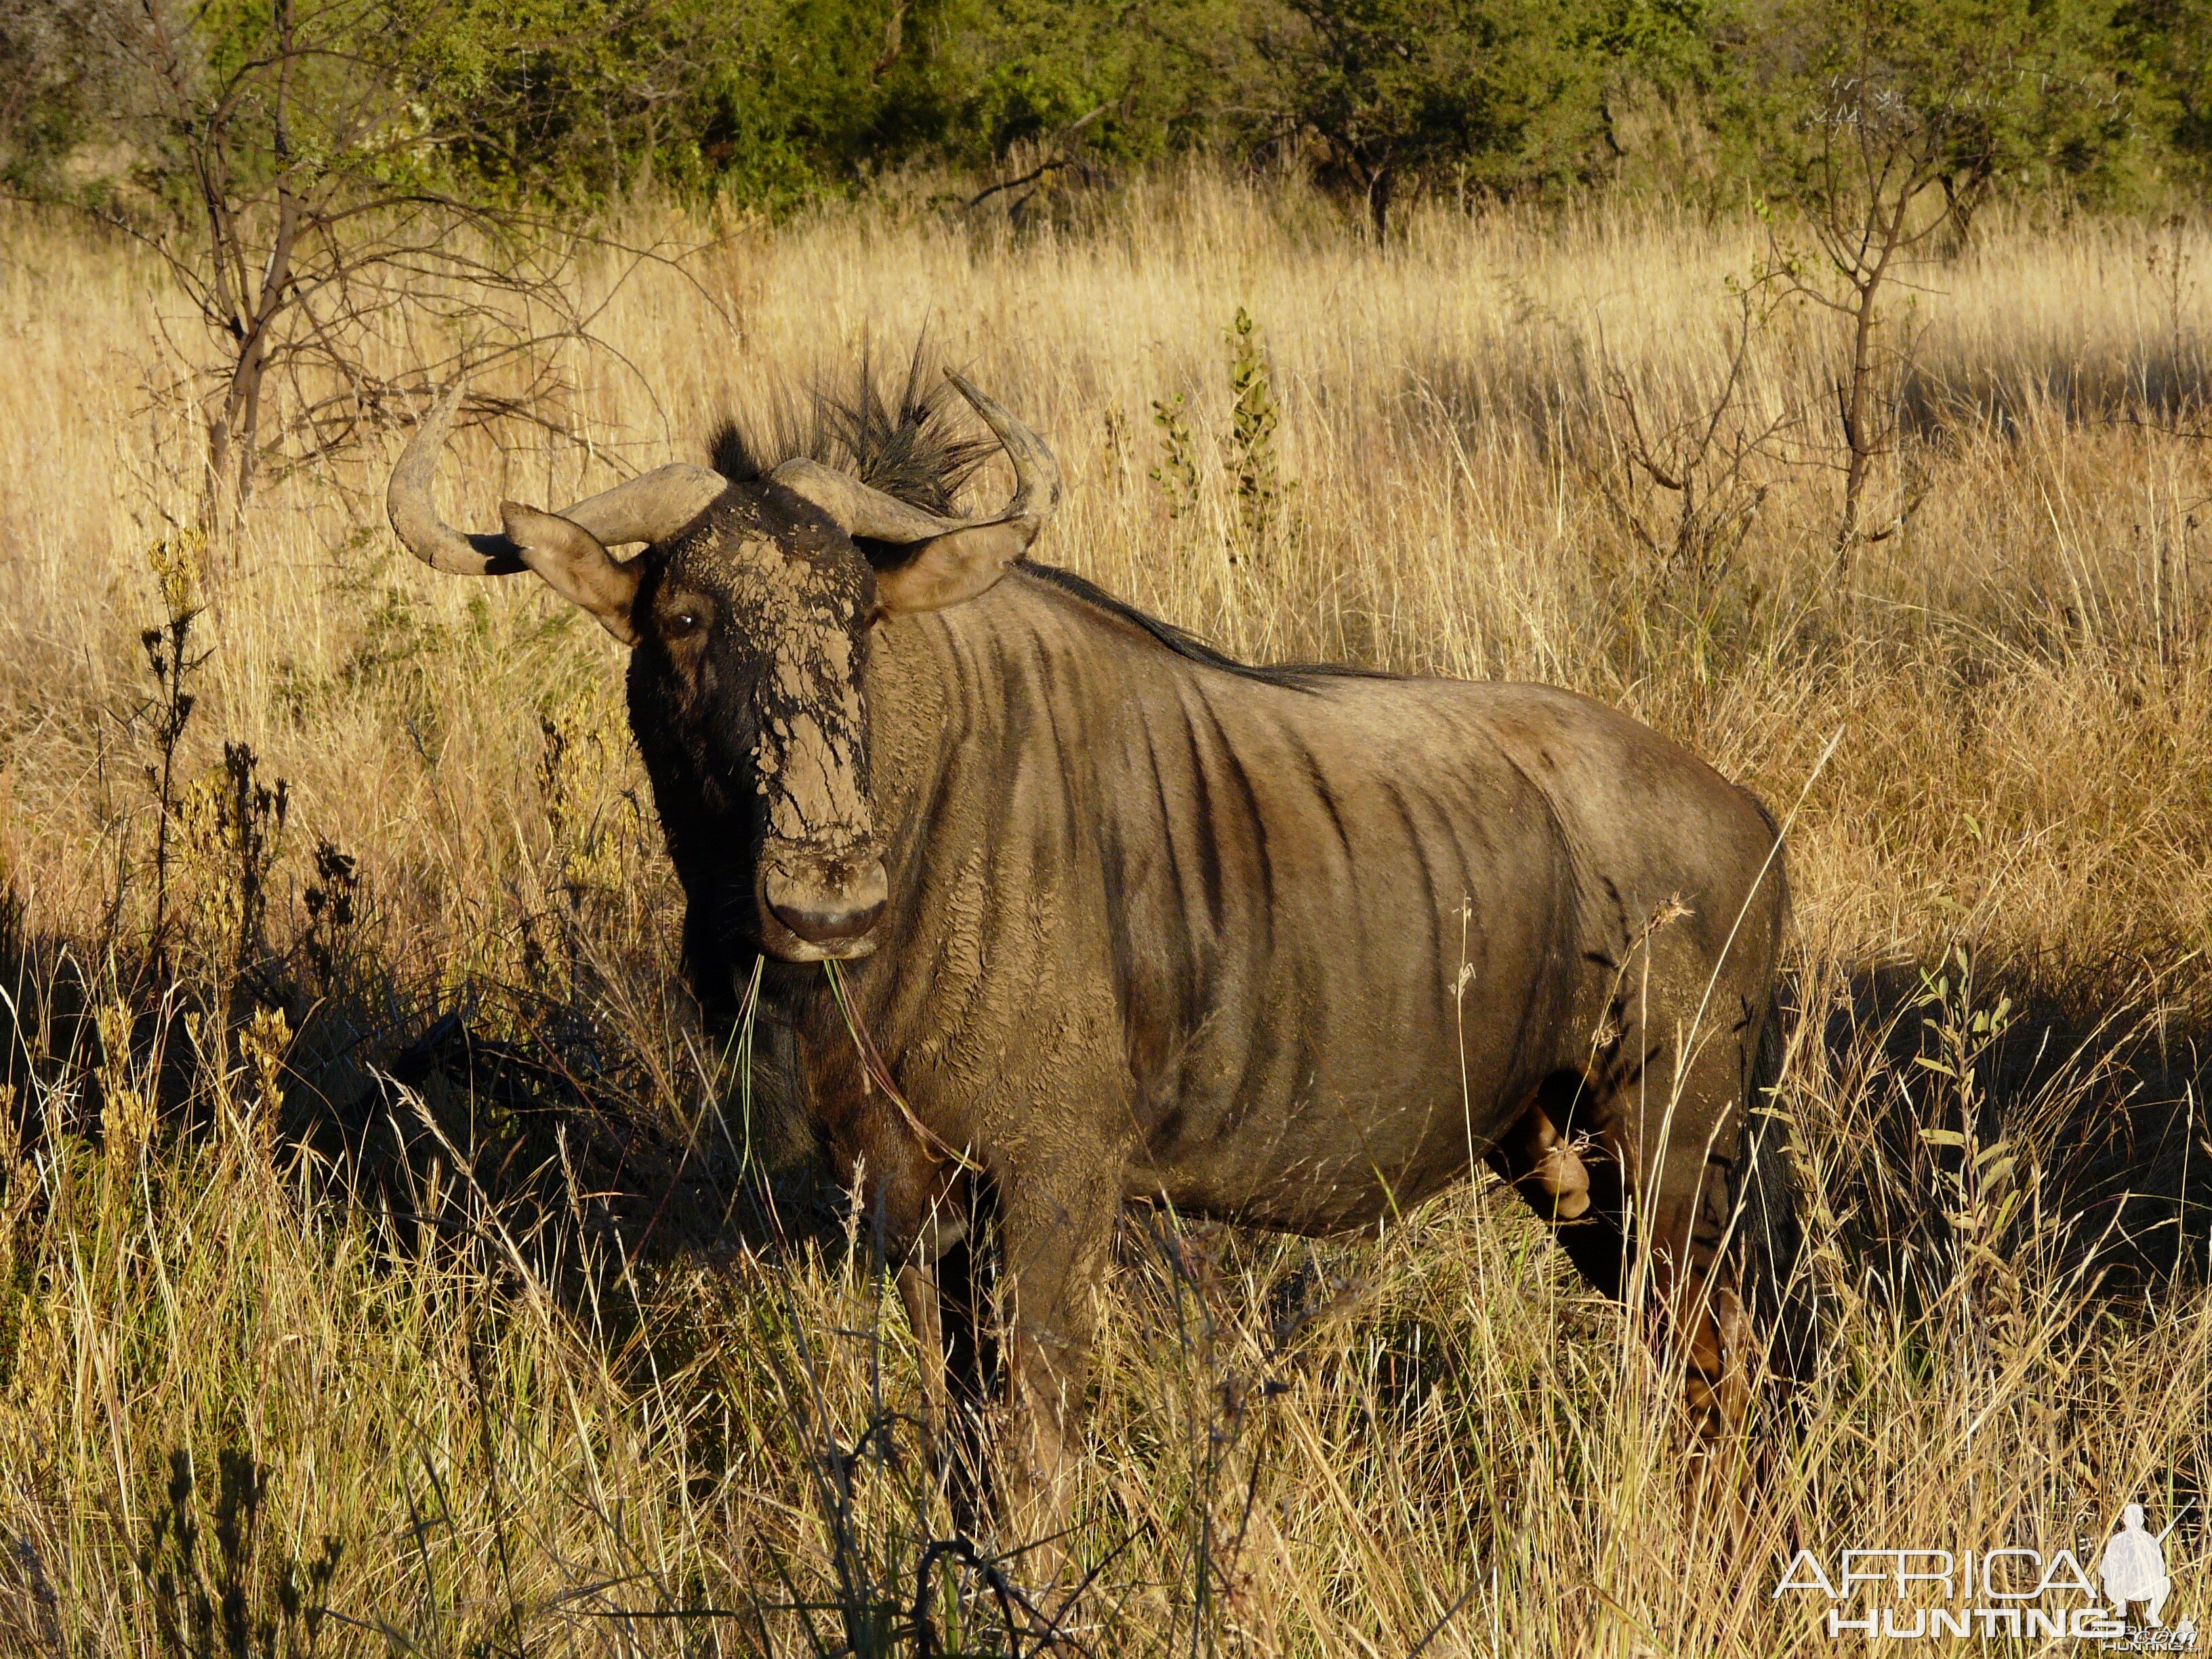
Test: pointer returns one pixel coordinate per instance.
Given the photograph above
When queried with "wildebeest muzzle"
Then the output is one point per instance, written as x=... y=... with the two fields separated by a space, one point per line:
x=817 y=907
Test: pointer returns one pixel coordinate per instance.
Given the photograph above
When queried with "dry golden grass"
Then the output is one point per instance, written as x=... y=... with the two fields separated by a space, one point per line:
x=500 y=1346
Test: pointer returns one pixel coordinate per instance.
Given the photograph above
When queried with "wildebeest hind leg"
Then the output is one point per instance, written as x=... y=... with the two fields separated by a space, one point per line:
x=1570 y=1155
x=1686 y=1190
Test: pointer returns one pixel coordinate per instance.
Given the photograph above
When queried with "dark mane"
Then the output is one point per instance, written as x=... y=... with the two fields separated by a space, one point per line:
x=1294 y=676
x=908 y=444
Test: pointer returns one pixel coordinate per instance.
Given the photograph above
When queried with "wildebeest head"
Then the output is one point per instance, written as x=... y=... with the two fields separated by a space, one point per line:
x=748 y=616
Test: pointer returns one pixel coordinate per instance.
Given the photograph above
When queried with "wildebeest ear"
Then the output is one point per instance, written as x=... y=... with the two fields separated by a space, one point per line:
x=953 y=568
x=574 y=565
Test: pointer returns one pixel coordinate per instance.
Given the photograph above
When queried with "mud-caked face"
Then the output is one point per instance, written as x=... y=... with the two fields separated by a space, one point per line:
x=747 y=616
x=748 y=702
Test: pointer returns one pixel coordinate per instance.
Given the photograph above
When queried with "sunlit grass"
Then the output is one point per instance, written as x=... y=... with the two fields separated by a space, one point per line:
x=499 y=1329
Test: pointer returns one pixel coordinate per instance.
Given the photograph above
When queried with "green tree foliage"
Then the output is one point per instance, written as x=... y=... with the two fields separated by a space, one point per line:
x=1951 y=96
x=1396 y=87
x=574 y=102
x=2168 y=47
x=578 y=100
x=775 y=101
x=52 y=88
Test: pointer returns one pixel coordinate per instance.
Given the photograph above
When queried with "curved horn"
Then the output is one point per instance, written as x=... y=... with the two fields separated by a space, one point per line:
x=415 y=519
x=645 y=508
x=861 y=509
x=651 y=507
x=866 y=511
x=1036 y=475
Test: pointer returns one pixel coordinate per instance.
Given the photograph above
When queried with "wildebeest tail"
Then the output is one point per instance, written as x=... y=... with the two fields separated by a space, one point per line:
x=1776 y=1272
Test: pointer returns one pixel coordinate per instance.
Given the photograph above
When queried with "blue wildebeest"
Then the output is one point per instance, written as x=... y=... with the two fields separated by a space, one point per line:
x=1128 y=921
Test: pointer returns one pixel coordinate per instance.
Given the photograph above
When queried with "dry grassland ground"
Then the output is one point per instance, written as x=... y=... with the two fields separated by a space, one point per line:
x=442 y=1301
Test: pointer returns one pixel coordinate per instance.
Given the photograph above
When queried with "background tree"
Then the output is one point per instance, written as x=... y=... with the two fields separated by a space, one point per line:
x=276 y=158
x=773 y=102
x=52 y=96
x=572 y=105
x=1393 y=87
x=1890 y=122
x=575 y=102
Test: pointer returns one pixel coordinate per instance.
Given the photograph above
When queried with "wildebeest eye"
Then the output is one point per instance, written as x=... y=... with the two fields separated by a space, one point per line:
x=681 y=625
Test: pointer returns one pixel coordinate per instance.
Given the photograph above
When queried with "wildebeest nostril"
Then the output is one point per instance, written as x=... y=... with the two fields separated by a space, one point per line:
x=827 y=924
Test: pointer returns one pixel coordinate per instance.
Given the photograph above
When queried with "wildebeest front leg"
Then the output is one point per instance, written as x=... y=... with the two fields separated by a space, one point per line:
x=1056 y=1232
x=924 y=1317
x=944 y=1288
x=941 y=1284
